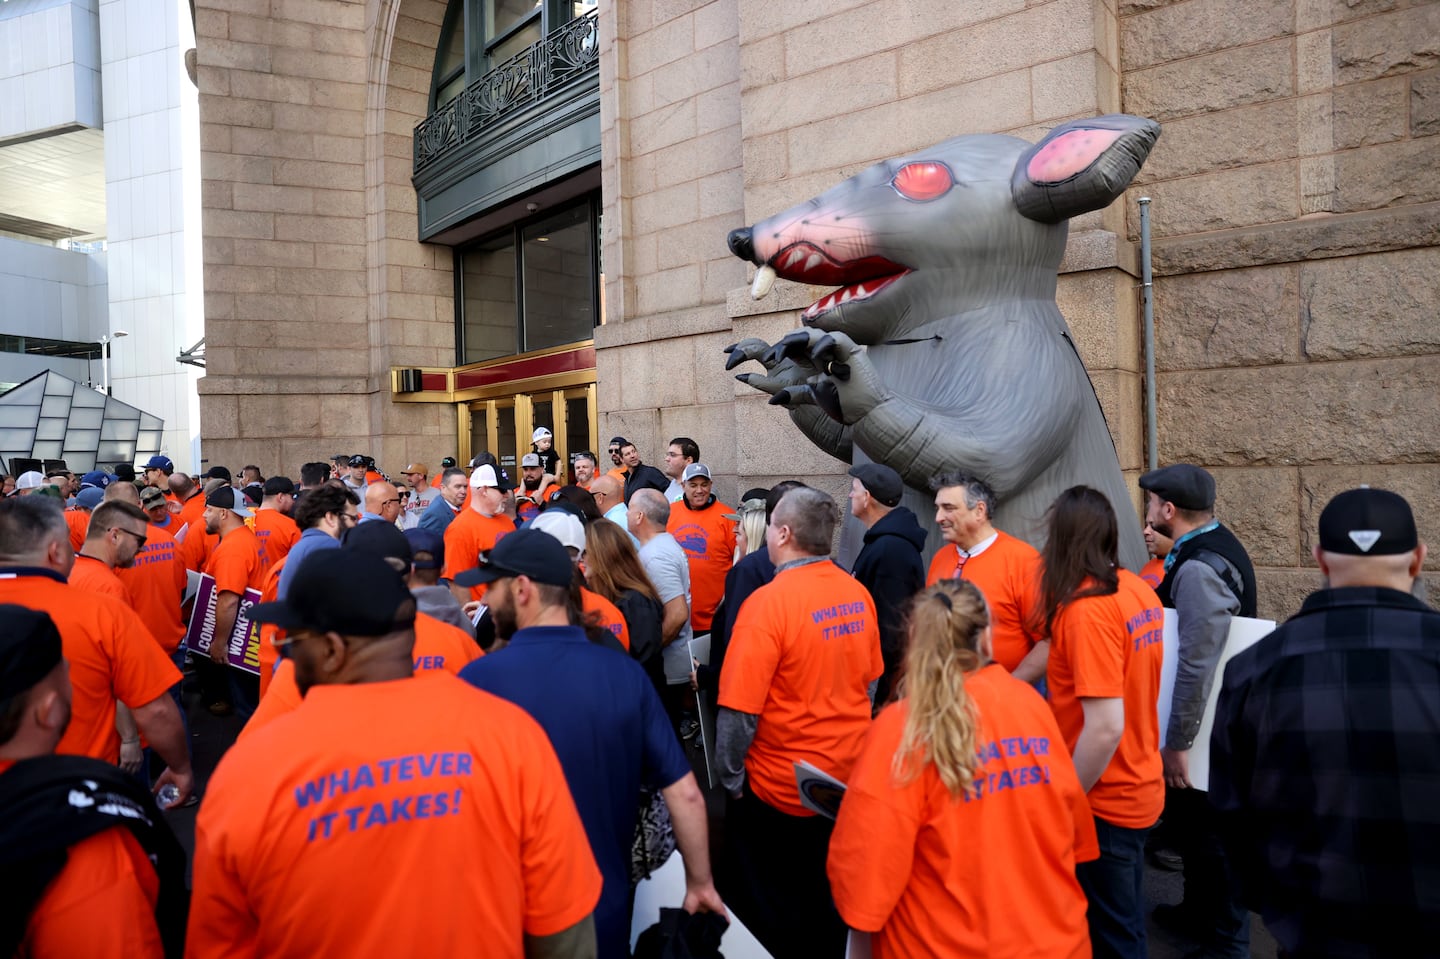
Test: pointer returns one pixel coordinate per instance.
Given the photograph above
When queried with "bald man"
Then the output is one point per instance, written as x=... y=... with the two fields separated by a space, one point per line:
x=382 y=501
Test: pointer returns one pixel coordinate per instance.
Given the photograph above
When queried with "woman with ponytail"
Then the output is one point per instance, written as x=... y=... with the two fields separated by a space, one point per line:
x=964 y=820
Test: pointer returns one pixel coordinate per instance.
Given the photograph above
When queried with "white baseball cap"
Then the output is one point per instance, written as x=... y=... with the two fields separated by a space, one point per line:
x=485 y=475
x=30 y=480
x=539 y=434
x=564 y=526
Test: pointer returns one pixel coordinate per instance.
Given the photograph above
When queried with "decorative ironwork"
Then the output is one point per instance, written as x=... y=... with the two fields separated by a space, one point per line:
x=525 y=78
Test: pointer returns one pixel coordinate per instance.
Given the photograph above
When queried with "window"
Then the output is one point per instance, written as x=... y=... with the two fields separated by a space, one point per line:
x=479 y=35
x=533 y=287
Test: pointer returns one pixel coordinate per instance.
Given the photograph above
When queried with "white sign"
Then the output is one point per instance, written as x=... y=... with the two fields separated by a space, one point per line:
x=1244 y=633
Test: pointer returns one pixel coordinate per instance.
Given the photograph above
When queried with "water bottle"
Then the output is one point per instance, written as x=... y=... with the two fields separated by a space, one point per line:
x=167 y=795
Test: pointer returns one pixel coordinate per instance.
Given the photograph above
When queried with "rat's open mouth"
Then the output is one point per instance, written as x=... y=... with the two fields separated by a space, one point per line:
x=804 y=262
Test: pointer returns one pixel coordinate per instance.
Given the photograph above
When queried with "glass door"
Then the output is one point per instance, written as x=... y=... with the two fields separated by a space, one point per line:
x=505 y=425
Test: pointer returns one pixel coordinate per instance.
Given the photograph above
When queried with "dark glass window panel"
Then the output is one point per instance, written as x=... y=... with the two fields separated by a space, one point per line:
x=488 y=284
x=559 y=283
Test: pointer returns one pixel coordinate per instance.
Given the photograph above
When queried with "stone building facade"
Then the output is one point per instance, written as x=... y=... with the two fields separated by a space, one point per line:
x=1296 y=224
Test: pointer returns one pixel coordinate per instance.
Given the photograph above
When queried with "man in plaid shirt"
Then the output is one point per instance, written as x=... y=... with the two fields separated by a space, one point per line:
x=1325 y=755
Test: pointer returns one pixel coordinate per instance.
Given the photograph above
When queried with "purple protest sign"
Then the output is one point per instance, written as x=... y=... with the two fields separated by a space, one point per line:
x=244 y=639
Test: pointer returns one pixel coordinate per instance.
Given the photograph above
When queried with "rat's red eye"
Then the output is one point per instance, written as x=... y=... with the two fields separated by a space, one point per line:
x=923 y=181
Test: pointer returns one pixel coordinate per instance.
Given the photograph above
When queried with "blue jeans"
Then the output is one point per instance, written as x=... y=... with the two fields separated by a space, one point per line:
x=1114 y=884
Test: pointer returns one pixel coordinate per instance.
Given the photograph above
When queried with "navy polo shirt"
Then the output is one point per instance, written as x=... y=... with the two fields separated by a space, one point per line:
x=607 y=725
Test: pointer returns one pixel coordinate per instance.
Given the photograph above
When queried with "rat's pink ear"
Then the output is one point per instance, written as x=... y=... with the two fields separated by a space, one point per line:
x=1081 y=166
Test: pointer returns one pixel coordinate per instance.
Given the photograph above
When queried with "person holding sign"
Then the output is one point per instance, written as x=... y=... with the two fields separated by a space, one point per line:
x=1106 y=632
x=963 y=776
x=1208 y=580
x=236 y=566
x=401 y=817
x=1325 y=754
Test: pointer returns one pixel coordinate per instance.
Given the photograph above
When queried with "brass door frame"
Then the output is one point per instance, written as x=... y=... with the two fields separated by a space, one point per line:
x=524 y=405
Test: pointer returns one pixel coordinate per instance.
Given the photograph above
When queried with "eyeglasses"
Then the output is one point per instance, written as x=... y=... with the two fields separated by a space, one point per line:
x=348 y=518
x=139 y=539
x=389 y=501
x=283 y=642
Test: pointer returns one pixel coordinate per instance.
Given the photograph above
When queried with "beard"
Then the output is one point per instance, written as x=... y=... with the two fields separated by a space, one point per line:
x=1164 y=529
x=505 y=622
x=532 y=485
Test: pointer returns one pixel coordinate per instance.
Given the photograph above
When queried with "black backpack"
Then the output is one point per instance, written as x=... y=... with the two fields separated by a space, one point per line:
x=50 y=803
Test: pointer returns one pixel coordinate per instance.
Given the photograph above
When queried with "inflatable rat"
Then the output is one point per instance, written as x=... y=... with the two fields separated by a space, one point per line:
x=944 y=349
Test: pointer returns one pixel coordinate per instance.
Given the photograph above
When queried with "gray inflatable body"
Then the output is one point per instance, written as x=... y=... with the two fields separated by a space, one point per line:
x=943 y=349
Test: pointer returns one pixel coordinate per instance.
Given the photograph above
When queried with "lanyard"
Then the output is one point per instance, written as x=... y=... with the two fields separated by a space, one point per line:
x=1170 y=557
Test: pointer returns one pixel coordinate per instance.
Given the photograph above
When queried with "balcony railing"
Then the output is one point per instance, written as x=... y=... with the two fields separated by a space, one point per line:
x=525 y=78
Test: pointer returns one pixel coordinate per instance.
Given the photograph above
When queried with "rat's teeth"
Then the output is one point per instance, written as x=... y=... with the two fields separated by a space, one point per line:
x=764 y=279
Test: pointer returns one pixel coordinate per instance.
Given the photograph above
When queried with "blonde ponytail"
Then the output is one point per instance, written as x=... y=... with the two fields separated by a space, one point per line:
x=945 y=628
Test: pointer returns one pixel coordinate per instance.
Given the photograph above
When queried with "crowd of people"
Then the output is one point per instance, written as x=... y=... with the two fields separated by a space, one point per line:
x=466 y=716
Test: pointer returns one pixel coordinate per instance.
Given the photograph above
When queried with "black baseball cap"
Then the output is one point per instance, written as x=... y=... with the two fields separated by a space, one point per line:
x=379 y=538
x=279 y=485
x=619 y=441
x=525 y=552
x=447 y=462
x=359 y=459
x=1368 y=522
x=425 y=541
x=218 y=472
x=1185 y=485
x=228 y=497
x=347 y=591
x=880 y=481
x=29 y=648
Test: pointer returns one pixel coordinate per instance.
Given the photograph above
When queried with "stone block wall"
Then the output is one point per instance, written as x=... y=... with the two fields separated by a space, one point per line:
x=672 y=188
x=718 y=114
x=1296 y=255
x=312 y=287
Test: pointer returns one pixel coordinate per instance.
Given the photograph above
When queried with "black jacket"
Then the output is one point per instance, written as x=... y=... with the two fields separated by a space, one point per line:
x=645 y=477
x=889 y=566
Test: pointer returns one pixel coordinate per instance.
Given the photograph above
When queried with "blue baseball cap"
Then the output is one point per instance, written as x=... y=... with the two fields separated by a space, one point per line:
x=159 y=463
x=90 y=497
x=96 y=478
x=427 y=541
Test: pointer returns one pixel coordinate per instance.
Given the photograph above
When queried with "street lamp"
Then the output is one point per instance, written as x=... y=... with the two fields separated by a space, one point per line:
x=105 y=358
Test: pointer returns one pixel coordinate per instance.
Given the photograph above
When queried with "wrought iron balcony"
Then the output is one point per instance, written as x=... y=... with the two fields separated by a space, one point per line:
x=569 y=52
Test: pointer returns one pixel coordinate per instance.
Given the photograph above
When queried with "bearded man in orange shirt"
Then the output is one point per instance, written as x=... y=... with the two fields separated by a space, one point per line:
x=698 y=523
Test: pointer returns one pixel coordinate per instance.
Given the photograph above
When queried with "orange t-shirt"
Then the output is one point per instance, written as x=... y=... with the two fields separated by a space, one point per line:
x=931 y=875
x=235 y=563
x=1153 y=572
x=402 y=818
x=192 y=512
x=276 y=533
x=111 y=654
x=156 y=583
x=269 y=632
x=93 y=576
x=708 y=539
x=606 y=615
x=439 y=647
x=1007 y=572
x=803 y=653
x=1105 y=647
x=78 y=520
x=466 y=537
x=197 y=546
x=101 y=905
